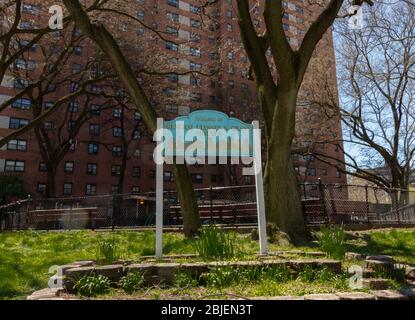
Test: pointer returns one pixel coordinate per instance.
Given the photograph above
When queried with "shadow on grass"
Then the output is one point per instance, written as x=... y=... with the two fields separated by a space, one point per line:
x=399 y=244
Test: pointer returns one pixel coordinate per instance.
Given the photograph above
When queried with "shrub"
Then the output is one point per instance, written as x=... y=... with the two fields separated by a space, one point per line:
x=106 y=251
x=214 y=243
x=333 y=242
x=132 y=282
x=93 y=285
x=184 y=280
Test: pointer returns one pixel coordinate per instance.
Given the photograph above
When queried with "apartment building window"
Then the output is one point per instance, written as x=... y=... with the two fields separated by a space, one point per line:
x=173 y=77
x=140 y=30
x=141 y=14
x=171 y=108
x=195 y=66
x=285 y=26
x=196 y=97
x=30 y=9
x=77 y=50
x=197 y=178
x=48 y=104
x=231 y=84
x=195 y=52
x=286 y=15
x=25 y=64
x=248 y=180
x=74 y=86
x=172 y=46
x=94 y=129
x=69 y=166
x=311 y=172
x=76 y=68
x=43 y=167
x=71 y=125
x=74 y=106
x=96 y=89
x=17 y=123
x=136 y=172
x=298 y=9
x=137 y=116
x=229 y=27
x=173 y=31
x=17 y=145
x=14 y=166
x=24 y=43
x=244 y=87
x=21 y=83
x=324 y=172
x=196 y=23
x=41 y=188
x=168 y=176
x=173 y=16
x=22 y=103
x=195 y=37
x=338 y=173
x=173 y=3
x=152 y=174
x=229 y=13
x=48 y=125
x=116 y=151
x=230 y=55
x=136 y=134
x=90 y=189
x=117 y=113
x=137 y=153
x=95 y=109
x=135 y=190
x=67 y=188
x=116 y=170
x=92 y=169
x=195 y=81
x=93 y=148
x=195 y=9
x=117 y=132
x=169 y=91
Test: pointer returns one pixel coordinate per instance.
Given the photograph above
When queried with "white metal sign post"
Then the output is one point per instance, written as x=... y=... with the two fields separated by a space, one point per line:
x=259 y=184
x=159 y=194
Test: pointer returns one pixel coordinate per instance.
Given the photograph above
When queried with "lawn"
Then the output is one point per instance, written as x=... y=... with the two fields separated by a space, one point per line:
x=25 y=257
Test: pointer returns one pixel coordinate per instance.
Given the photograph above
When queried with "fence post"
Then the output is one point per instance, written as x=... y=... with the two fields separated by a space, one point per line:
x=323 y=199
x=367 y=202
x=211 y=204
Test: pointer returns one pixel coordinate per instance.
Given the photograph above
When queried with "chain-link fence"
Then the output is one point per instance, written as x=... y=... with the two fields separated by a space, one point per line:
x=322 y=204
x=334 y=203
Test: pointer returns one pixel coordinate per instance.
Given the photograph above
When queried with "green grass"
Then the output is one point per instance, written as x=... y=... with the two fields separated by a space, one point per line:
x=399 y=243
x=25 y=257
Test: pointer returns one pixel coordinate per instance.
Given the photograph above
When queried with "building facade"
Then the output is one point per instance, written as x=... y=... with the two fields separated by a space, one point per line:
x=186 y=57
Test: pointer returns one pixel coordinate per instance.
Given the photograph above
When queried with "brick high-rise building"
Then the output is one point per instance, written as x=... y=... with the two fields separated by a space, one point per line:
x=201 y=65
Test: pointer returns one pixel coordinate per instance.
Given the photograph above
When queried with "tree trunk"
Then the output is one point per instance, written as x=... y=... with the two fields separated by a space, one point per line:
x=282 y=194
x=51 y=186
x=188 y=201
x=104 y=39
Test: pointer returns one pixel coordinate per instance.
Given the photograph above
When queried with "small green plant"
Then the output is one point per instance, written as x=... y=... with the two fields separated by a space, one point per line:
x=214 y=243
x=93 y=285
x=184 y=280
x=332 y=241
x=278 y=274
x=106 y=251
x=132 y=282
x=221 y=277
